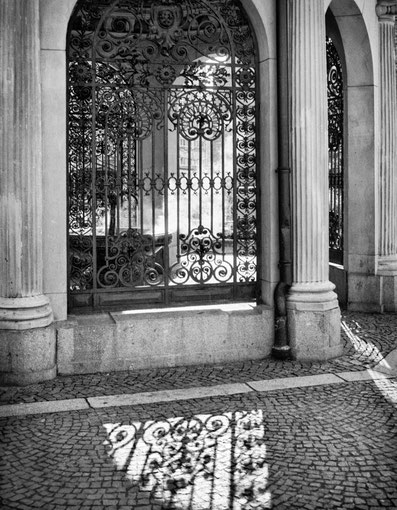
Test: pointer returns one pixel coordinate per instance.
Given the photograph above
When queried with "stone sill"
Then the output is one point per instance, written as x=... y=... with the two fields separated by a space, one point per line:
x=102 y=318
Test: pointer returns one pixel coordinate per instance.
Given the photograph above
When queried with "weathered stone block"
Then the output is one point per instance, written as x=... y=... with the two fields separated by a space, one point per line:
x=126 y=341
x=314 y=335
x=364 y=292
x=27 y=356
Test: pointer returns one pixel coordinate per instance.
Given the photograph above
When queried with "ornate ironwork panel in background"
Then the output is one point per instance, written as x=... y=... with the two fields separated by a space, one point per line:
x=162 y=152
x=335 y=153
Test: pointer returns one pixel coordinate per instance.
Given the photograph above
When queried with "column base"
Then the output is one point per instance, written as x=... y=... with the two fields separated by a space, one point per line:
x=314 y=321
x=27 y=356
x=25 y=313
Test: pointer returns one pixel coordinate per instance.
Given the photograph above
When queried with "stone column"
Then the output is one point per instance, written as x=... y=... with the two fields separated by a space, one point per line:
x=27 y=345
x=313 y=311
x=387 y=263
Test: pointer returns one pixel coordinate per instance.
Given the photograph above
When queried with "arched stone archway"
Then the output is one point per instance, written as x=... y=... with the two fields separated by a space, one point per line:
x=348 y=27
x=54 y=22
x=256 y=325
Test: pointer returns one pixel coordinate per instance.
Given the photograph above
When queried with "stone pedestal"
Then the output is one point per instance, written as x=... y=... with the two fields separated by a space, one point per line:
x=27 y=339
x=27 y=356
x=313 y=311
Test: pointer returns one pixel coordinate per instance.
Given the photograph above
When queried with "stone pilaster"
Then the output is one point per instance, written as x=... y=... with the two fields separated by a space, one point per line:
x=313 y=311
x=25 y=313
x=387 y=240
x=388 y=134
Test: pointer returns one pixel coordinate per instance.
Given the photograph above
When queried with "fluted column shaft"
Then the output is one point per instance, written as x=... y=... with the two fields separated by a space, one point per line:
x=388 y=131
x=22 y=304
x=312 y=305
x=309 y=150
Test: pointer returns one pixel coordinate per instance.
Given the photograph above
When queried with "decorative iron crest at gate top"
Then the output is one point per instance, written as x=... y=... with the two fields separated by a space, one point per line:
x=162 y=140
x=200 y=113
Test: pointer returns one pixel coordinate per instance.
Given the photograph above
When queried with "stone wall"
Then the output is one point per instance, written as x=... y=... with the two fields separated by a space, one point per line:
x=166 y=337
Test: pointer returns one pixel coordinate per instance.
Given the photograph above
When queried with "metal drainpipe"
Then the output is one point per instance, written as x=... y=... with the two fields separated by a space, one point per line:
x=281 y=348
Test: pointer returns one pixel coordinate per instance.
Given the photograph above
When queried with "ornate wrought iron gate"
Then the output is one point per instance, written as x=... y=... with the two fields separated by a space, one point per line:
x=162 y=152
x=335 y=153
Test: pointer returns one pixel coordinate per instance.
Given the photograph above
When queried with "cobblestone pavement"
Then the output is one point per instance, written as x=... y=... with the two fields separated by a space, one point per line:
x=304 y=448
x=332 y=446
x=367 y=338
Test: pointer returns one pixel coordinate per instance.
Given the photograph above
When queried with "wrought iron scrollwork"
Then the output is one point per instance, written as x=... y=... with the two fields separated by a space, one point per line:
x=162 y=140
x=335 y=152
x=129 y=260
x=202 y=258
x=200 y=113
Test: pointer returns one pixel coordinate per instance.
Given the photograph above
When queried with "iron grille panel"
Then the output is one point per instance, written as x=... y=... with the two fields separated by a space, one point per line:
x=335 y=153
x=162 y=151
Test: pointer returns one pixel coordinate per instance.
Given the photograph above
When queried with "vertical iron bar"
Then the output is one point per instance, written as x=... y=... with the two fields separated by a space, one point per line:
x=212 y=186
x=223 y=190
x=166 y=190
x=106 y=177
x=189 y=164
x=84 y=169
x=119 y=187
x=153 y=190
x=200 y=180
x=139 y=156
x=234 y=188
x=93 y=187
x=178 y=186
x=129 y=180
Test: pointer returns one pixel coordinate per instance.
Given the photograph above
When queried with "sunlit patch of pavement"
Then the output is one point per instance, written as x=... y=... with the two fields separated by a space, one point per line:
x=207 y=461
x=309 y=447
x=388 y=364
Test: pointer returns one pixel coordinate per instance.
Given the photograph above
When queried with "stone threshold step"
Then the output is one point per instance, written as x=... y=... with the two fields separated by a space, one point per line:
x=79 y=404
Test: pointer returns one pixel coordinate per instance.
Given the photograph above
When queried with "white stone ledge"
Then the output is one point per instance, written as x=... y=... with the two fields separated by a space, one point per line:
x=54 y=406
x=364 y=375
x=168 y=395
x=219 y=390
x=186 y=311
x=295 y=382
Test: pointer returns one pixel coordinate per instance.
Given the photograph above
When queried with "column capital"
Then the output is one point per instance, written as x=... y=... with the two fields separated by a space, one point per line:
x=386 y=10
